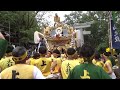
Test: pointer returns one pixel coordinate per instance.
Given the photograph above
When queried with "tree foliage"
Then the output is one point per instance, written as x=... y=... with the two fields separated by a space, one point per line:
x=99 y=29
x=22 y=22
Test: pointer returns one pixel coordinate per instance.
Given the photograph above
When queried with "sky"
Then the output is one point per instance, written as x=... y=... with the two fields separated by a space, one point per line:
x=50 y=16
x=60 y=14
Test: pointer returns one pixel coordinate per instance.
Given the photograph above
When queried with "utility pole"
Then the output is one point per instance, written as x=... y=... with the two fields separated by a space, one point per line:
x=108 y=13
x=110 y=31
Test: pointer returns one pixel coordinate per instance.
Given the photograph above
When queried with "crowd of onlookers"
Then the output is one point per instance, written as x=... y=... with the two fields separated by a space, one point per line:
x=81 y=63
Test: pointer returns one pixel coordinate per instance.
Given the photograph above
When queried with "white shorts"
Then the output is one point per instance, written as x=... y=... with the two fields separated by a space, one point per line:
x=113 y=76
x=54 y=76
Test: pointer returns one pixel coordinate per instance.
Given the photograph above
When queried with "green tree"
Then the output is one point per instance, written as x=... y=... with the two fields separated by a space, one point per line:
x=23 y=22
x=99 y=29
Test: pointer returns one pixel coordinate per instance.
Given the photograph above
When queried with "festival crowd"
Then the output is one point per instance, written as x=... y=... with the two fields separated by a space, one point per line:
x=81 y=63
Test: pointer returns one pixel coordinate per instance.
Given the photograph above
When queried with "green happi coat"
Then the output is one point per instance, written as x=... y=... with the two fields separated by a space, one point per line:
x=3 y=47
x=88 y=71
